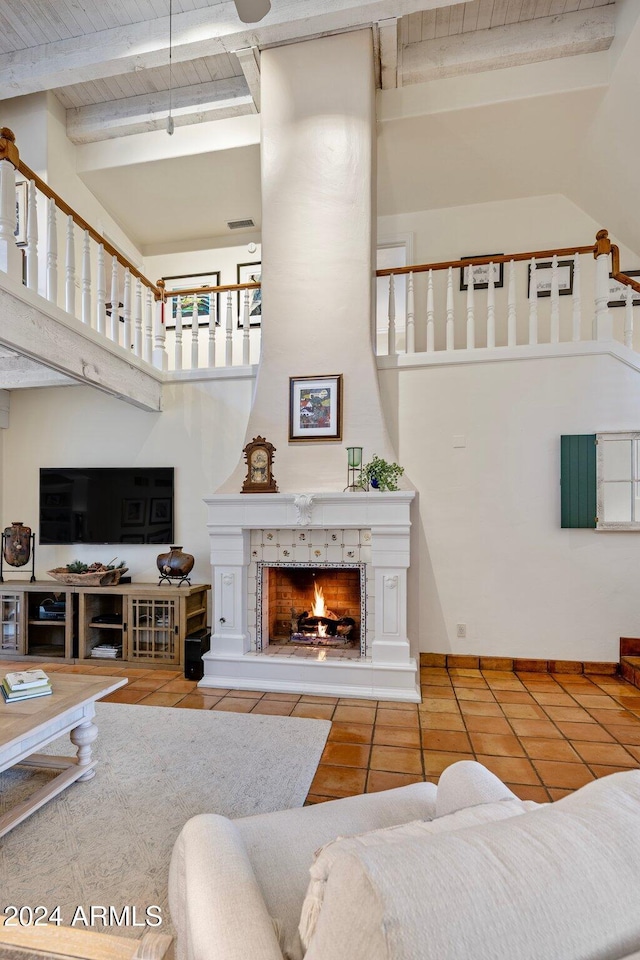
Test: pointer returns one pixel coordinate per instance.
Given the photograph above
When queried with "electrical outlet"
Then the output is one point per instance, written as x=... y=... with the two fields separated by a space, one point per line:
x=461 y=630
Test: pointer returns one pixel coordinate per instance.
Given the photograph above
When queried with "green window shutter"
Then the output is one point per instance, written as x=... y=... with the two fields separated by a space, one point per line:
x=578 y=480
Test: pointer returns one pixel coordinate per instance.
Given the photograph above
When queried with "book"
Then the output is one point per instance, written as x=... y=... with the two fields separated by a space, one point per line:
x=25 y=679
x=21 y=692
x=27 y=695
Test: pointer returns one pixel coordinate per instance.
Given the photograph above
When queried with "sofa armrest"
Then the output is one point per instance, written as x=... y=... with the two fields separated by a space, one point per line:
x=215 y=902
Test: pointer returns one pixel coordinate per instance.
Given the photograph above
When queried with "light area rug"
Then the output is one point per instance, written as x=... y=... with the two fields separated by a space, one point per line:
x=108 y=841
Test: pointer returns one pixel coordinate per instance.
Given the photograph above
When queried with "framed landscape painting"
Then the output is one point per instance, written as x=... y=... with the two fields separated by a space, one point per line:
x=197 y=302
x=315 y=408
x=481 y=273
x=250 y=273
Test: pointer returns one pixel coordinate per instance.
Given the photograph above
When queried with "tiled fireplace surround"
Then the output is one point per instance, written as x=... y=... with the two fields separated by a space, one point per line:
x=365 y=531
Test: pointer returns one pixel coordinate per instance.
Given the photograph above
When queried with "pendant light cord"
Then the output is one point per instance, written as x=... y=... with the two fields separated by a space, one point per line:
x=170 y=118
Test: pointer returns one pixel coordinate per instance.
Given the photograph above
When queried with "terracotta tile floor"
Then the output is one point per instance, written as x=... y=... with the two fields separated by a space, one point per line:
x=543 y=734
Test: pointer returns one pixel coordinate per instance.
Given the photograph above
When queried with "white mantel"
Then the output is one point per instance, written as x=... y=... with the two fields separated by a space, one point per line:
x=388 y=671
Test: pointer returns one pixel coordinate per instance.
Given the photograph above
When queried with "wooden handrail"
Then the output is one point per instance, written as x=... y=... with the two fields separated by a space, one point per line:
x=82 y=223
x=187 y=292
x=10 y=152
x=476 y=261
x=615 y=270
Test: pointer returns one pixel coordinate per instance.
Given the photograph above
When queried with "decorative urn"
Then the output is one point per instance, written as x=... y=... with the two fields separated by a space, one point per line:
x=17 y=544
x=175 y=565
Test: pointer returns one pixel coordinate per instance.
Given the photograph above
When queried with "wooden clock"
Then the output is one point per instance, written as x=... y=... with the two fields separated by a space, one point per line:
x=259 y=456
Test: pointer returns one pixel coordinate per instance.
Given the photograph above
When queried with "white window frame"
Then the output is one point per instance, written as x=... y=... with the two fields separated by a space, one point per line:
x=601 y=482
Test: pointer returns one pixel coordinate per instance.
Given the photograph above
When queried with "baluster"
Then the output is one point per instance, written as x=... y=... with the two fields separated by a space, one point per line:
x=471 y=323
x=178 y=334
x=101 y=292
x=70 y=269
x=126 y=310
x=391 y=314
x=533 y=302
x=10 y=259
x=32 y=238
x=430 y=314
x=555 y=301
x=211 y=349
x=245 y=329
x=115 y=323
x=228 y=346
x=195 y=330
x=628 y=317
x=511 y=306
x=148 y=325
x=85 y=279
x=410 y=344
x=52 y=252
x=137 y=330
x=160 y=358
x=491 y=309
x=577 y=300
x=450 y=319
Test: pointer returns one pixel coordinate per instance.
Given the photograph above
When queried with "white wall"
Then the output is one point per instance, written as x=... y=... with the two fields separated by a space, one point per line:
x=200 y=433
x=488 y=546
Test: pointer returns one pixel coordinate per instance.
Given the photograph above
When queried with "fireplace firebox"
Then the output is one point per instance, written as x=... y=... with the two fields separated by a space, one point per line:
x=312 y=605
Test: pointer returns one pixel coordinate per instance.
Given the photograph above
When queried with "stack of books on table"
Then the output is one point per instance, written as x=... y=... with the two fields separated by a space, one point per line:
x=107 y=651
x=25 y=685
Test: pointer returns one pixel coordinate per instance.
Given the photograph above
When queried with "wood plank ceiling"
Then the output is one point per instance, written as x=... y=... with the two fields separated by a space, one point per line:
x=29 y=24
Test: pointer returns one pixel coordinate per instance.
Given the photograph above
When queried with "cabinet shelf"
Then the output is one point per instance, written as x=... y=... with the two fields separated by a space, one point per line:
x=154 y=621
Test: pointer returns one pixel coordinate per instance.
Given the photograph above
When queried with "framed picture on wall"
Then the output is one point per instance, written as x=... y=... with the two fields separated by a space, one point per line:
x=193 y=302
x=543 y=278
x=618 y=291
x=250 y=273
x=481 y=272
x=315 y=408
x=20 y=232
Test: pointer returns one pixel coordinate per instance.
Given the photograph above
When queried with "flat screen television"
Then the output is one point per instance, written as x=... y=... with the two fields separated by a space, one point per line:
x=106 y=505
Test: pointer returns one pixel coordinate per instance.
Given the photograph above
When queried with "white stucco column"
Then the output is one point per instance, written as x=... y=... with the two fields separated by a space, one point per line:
x=318 y=208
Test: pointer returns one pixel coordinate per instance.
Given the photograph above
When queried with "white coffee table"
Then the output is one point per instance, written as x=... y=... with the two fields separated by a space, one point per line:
x=29 y=725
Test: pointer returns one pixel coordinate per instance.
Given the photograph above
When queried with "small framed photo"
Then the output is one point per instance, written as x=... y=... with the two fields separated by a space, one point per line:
x=195 y=302
x=20 y=232
x=481 y=272
x=133 y=512
x=618 y=291
x=160 y=510
x=543 y=278
x=315 y=408
x=250 y=273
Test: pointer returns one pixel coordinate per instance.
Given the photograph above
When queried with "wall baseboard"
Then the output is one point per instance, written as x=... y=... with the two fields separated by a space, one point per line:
x=521 y=665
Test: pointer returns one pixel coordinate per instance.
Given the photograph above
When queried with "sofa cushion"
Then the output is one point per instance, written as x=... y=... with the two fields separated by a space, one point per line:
x=560 y=882
x=281 y=845
x=327 y=856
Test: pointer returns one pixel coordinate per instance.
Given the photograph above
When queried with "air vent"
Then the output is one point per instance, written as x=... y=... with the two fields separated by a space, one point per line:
x=240 y=224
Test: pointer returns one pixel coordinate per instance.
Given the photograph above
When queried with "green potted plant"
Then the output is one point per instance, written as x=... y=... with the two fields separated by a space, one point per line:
x=380 y=474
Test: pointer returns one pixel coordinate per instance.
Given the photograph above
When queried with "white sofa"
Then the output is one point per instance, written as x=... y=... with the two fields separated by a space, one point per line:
x=469 y=872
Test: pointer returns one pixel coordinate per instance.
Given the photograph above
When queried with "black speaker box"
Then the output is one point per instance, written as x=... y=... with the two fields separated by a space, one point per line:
x=195 y=645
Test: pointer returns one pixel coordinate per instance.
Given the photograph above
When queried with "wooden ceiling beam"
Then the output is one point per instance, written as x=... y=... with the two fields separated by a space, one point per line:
x=565 y=35
x=213 y=100
x=197 y=33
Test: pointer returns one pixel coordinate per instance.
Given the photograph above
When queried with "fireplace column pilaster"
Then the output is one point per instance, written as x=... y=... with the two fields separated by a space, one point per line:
x=390 y=560
x=230 y=554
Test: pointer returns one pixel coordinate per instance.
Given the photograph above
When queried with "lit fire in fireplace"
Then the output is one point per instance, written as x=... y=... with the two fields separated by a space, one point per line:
x=323 y=624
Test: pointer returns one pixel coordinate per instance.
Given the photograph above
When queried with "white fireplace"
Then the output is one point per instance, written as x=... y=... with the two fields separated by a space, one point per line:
x=251 y=534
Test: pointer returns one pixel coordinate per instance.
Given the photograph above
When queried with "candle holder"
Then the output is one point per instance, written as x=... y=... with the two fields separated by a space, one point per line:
x=354 y=468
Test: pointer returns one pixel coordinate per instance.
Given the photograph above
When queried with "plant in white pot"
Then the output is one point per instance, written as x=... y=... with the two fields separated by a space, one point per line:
x=379 y=474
